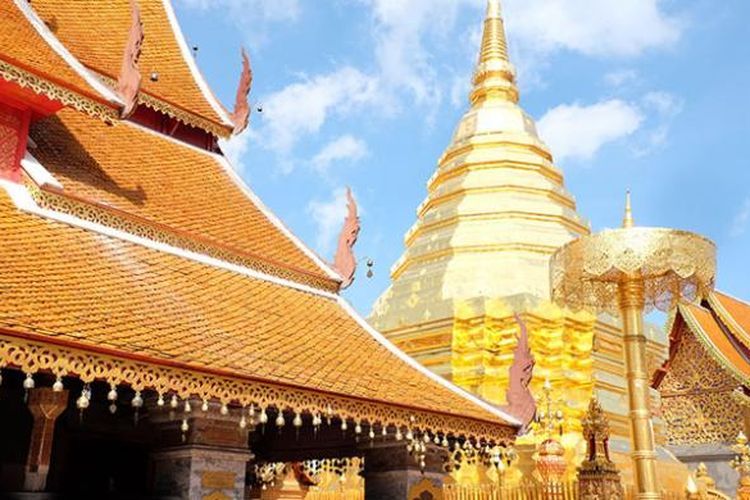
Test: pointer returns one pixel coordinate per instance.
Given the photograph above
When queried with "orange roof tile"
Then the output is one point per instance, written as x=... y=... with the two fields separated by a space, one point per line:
x=100 y=292
x=720 y=343
x=143 y=174
x=735 y=314
x=22 y=46
x=96 y=33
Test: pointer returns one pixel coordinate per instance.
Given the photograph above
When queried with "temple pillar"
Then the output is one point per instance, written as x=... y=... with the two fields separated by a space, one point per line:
x=45 y=406
x=391 y=472
x=209 y=460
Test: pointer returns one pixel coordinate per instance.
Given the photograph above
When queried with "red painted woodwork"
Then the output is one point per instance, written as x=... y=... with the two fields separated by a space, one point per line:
x=14 y=132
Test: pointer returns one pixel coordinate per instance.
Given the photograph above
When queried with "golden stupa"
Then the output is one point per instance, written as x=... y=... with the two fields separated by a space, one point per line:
x=496 y=211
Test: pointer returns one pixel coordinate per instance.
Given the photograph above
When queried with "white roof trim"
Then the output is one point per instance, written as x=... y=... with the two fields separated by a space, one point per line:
x=25 y=7
x=24 y=201
x=190 y=60
x=420 y=368
x=275 y=220
x=38 y=173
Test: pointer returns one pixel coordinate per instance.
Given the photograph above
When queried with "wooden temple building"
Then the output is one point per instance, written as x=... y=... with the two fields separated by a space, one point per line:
x=705 y=383
x=160 y=329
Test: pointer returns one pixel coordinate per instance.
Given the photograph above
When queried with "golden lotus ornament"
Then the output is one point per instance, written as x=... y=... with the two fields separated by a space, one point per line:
x=629 y=271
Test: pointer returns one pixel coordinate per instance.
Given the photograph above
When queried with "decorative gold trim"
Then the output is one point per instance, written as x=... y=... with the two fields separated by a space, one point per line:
x=175 y=112
x=34 y=356
x=65 y=96
x=183 y=116
x=146 y=229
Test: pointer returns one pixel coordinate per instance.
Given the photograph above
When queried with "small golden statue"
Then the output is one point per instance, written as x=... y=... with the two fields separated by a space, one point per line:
x=741 y=463
x=598 y=477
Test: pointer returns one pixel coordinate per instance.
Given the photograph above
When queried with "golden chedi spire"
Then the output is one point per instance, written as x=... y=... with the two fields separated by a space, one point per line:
x=494 y=75
x=496 y=208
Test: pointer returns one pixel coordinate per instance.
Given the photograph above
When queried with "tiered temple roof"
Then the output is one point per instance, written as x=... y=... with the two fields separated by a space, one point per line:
x=97 y=37
x=134 y=258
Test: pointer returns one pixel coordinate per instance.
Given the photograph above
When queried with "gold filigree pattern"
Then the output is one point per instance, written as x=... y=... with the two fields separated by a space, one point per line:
x=674 y=266
x=31 y=357
x=175 y=112
x=697 y=398
x=183 y=116
x=150 y=231
x=67 y=97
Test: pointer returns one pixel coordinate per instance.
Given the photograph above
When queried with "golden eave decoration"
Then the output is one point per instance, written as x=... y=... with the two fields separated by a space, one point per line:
x=67 y=97
x=186 y=382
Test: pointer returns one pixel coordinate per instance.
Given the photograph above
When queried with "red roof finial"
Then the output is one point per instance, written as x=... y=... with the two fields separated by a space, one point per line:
x=129 y=81
x=521 y=402
x=344 y=262
x=241 y=113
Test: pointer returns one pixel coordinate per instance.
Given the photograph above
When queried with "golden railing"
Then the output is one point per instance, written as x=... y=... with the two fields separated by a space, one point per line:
x=554 y=491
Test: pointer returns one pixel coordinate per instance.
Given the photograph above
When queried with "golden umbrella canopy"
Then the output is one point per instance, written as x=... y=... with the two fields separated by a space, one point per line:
x=673 y=266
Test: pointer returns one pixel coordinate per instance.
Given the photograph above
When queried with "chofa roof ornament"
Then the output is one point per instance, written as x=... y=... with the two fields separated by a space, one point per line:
x=521 y=402
x=129 y=81
x=241 y=114
x=344 y=262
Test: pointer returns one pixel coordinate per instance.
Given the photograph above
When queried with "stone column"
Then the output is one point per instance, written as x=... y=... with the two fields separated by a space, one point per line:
x=45 y=405
x=391 y=472
x=209 y=462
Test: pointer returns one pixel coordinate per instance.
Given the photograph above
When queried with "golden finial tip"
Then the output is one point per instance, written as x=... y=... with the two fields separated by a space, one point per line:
x=628 y=221
x=691 y=487
x=493 y=9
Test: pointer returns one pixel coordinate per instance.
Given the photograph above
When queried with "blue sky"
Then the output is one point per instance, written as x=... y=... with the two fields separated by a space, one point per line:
x=647 y=94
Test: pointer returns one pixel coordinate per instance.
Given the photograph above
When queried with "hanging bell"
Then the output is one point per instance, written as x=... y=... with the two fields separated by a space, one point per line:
x=58 y=385
x=243 y=422
x=399 y=436
x=297 y=422
x=112 y=394
x=204 y=406
x=224 y=410
x=173 y=402
x=137 y=401
x=184 y=427
x=160 y=401
x=384 y=430
x=344 y=425
x=188 y=409
x=263 y=418
x=280 y=422
x=357 y=428
x=28 y=383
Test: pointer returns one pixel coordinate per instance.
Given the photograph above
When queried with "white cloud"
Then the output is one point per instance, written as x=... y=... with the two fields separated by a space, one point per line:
x=741 y=220
x=345 y=147
x=591 y=27
x=621 y=77
x=663 y=108
x=302 y=108
x=329 y=216
x=578 y=132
